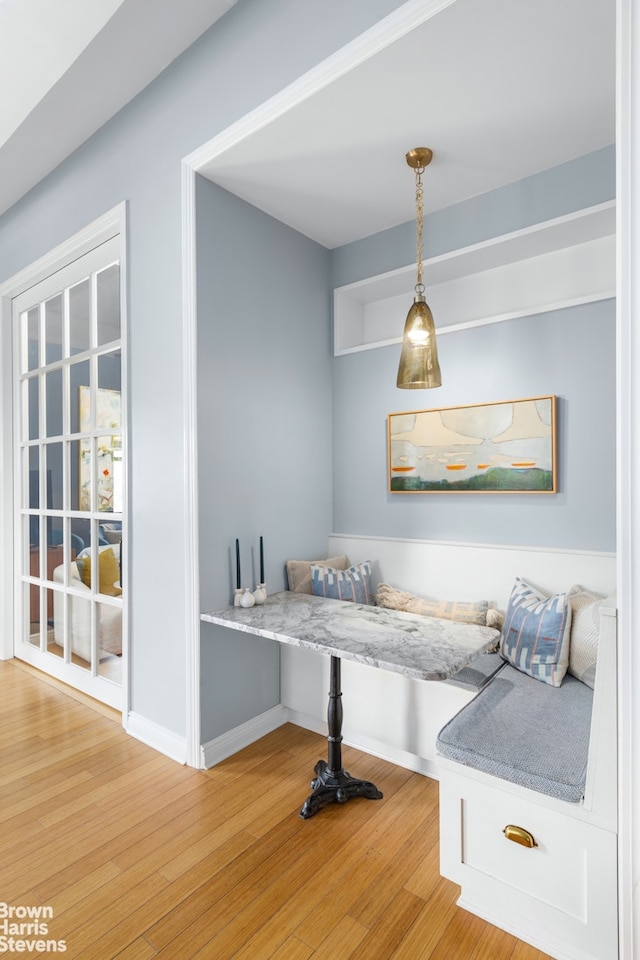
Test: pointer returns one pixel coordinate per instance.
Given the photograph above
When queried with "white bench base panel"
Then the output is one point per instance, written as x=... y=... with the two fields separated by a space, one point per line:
x=560 y=896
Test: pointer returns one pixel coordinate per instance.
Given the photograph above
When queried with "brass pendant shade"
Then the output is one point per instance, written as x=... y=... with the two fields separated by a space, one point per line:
x=419 y=367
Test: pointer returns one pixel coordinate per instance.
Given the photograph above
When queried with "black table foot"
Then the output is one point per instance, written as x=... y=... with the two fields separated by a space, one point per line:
x=329 y=787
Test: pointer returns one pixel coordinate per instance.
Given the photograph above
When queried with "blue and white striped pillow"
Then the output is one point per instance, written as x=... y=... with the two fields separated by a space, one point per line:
x=351 y=584
x=536 y=631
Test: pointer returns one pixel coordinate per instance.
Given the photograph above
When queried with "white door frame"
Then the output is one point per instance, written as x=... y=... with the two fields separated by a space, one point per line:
x=104 y=228
x=628 y=466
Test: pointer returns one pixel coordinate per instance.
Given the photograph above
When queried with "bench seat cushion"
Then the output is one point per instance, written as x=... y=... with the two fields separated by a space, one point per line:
x=527 y=732
x=478 y=671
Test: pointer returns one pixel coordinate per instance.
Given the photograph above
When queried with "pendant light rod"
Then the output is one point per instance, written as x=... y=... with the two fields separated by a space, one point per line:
x=419 y=367
x=418 y=159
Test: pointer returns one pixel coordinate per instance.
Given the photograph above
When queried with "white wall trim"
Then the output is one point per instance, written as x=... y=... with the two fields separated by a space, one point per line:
x=563 y=262
x=214 y=751
x=161 y=739
x=369 y=745
x=104 y=228
x=628 y=467
x=6 y=481
x=126 y=452
x=486 y=321
x=396 y=25
x=474 y=546
x=567 y=230
x=190 y=431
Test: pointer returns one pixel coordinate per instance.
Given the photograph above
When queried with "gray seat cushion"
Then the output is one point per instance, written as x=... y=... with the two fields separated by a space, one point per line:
x=478 y=672
x=527 y=732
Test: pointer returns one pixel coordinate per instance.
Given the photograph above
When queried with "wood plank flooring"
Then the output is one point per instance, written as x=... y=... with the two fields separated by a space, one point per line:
x=140 y=858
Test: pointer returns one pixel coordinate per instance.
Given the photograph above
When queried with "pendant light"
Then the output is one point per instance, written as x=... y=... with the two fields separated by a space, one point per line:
x=419 y=368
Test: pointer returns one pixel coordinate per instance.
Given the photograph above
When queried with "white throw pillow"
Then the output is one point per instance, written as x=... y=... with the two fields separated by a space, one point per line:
x=585 y=632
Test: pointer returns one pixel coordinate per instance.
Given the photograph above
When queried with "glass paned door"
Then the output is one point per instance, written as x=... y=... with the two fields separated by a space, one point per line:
x=70 y=475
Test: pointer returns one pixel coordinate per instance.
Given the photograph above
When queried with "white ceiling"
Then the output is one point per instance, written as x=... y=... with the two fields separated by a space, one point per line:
x=67 y=66
x=499 y=89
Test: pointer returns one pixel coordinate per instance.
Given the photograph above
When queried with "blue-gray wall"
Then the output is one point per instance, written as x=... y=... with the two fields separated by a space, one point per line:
x=254 y=51
x=264 y=432
x=569 y=353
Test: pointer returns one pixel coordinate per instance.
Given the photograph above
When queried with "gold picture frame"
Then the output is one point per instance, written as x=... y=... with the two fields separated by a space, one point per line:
x=504 y=447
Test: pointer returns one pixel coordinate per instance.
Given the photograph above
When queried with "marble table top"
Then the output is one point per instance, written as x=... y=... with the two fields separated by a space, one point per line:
x=425 y=648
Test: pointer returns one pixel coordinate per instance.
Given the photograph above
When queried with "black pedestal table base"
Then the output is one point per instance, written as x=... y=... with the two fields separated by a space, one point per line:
x=332 y=784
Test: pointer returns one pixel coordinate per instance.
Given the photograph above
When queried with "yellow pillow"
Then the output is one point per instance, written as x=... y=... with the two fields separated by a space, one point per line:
x=108 y=572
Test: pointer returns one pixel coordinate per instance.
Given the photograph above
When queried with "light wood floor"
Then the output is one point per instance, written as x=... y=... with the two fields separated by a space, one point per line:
x=141 y=858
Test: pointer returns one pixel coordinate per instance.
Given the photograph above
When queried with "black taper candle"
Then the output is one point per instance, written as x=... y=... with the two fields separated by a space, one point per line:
x=238 y=580
x=261 y=560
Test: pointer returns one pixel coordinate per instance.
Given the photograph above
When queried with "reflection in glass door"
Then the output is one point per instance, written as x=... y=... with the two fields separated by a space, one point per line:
x=70 y=480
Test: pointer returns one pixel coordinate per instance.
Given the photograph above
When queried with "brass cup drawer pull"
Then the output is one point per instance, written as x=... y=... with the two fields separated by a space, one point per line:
x=519 y=835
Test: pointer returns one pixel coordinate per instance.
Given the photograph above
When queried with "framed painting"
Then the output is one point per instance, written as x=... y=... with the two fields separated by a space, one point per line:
x=504 y=447
x=108 y=449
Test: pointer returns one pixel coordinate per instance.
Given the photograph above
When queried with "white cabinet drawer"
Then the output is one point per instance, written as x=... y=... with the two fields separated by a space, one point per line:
x=560 y=895
x=553 y=872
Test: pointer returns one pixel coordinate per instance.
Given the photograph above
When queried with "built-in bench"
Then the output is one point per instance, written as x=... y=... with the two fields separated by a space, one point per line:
x=526 y=732
x=528 y=762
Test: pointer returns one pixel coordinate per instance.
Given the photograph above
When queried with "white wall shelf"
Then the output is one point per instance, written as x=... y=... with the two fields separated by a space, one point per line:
x=548 y=266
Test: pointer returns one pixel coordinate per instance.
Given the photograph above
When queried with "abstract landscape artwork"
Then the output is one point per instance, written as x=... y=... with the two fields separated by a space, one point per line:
x=504 y=447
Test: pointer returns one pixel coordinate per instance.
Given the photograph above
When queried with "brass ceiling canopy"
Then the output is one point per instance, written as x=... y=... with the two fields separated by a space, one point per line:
x=419 y=368
x=419 y=157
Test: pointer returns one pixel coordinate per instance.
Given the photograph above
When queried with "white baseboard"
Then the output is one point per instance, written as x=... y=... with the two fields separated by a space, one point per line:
x=214 y=751
x=162 y=740
x=307 y=721
x=376 y=748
